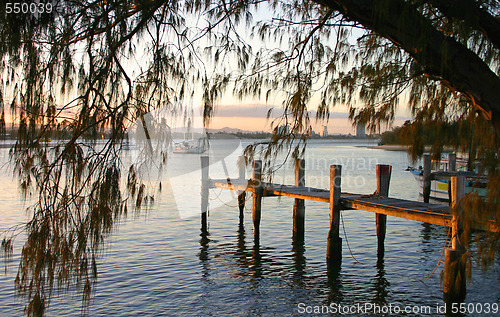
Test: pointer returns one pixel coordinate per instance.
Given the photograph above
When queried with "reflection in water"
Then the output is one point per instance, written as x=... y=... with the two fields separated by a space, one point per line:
x=335 y=288
x=203 y=255
x=256 y=264
x=429 y=233
x=204 y=243
x=299 y=259
x=380 y=285
x=218 y=270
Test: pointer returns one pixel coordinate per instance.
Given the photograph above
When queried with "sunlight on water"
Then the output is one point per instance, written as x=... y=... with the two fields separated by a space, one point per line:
x=158 y=264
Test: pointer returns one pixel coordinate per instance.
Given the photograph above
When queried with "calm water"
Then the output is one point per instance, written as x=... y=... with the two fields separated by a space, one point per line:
x=156 y=263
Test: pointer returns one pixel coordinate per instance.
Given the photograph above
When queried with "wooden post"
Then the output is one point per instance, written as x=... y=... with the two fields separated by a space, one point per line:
x=334 y=242
x=299 y=206
x=454 y=265
x=452 y=167
x=452 y=162
x=383 y=181
x=204 y=192
x=427 y=180
x=257 y=196
x=242 y=193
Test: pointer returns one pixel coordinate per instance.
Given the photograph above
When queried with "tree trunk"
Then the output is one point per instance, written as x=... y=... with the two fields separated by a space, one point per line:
x=440 y=56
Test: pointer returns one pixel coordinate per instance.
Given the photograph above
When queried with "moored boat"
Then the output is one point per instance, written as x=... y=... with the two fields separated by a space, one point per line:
x=189 y=147
x=440 y=187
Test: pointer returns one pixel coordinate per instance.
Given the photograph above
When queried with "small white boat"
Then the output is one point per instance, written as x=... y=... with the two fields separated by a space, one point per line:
x=439 y=187
x=189 y=147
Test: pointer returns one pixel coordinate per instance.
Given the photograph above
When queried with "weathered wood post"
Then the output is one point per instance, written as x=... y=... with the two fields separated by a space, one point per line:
x=257 y=196
x=334 y=242
x=242 y=193
x=454 y=264
x=383 y=181
x=427 y=180
x=204 y=192
x=299 y=206
x=452 y=167
x=452 y=162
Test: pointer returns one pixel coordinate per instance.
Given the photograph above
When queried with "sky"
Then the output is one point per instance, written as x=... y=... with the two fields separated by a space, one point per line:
x=252 y=117
x=250 y=114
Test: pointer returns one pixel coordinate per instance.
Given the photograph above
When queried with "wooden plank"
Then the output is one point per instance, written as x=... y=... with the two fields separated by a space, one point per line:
x=413 y=210
x=232 y=184
x=429 y=217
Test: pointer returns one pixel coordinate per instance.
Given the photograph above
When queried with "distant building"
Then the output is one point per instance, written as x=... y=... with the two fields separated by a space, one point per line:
x=283 y=130
x=360 y=130
x=324 y=131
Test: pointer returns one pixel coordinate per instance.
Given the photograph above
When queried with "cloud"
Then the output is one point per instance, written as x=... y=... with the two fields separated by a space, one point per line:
x=261 y=110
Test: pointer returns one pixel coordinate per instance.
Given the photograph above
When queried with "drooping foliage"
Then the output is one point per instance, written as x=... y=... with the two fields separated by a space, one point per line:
x=92 y=68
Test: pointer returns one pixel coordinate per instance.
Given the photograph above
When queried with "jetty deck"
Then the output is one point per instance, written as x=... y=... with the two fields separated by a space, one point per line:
x=378 y=203
x=419 y=211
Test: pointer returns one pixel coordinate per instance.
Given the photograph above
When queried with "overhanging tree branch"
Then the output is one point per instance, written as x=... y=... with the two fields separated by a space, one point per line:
x=438 y=55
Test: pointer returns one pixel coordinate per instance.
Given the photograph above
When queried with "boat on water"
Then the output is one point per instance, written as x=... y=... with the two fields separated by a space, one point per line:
x=440 y=187
x=191 y=147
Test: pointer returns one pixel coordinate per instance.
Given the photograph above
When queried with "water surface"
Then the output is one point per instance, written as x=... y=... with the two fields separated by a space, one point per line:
x=157 y=263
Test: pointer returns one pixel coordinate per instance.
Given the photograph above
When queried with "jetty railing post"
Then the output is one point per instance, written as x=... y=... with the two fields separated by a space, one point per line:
x=427 y=180
x=205 y=180
x=452 y=167
x=257 y=196
x=383 y=181
x=299 y=206
x=242 y=193
x=454 y=265
x=334 y=242
x=452 y=162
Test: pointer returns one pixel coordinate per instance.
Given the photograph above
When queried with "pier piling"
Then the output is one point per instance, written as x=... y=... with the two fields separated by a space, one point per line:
x=383 y=181
x=299 y=206
x=454 y=265
x=452 y=167
x=204 y=192
x=427 y=178
x=452 y=162
x=241 y=193
x=257 y=196
x=381 y=205
x=334 y=242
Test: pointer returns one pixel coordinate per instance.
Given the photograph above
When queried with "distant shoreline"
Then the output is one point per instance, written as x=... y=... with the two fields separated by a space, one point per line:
x=399 y=147
x=390 y=147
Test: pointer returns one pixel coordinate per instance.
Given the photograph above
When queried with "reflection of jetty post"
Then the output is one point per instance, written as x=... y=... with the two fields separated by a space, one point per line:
x=454 y=263
x=383 y=181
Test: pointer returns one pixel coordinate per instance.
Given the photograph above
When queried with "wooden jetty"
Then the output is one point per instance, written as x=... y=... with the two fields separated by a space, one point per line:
x=379 y=203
